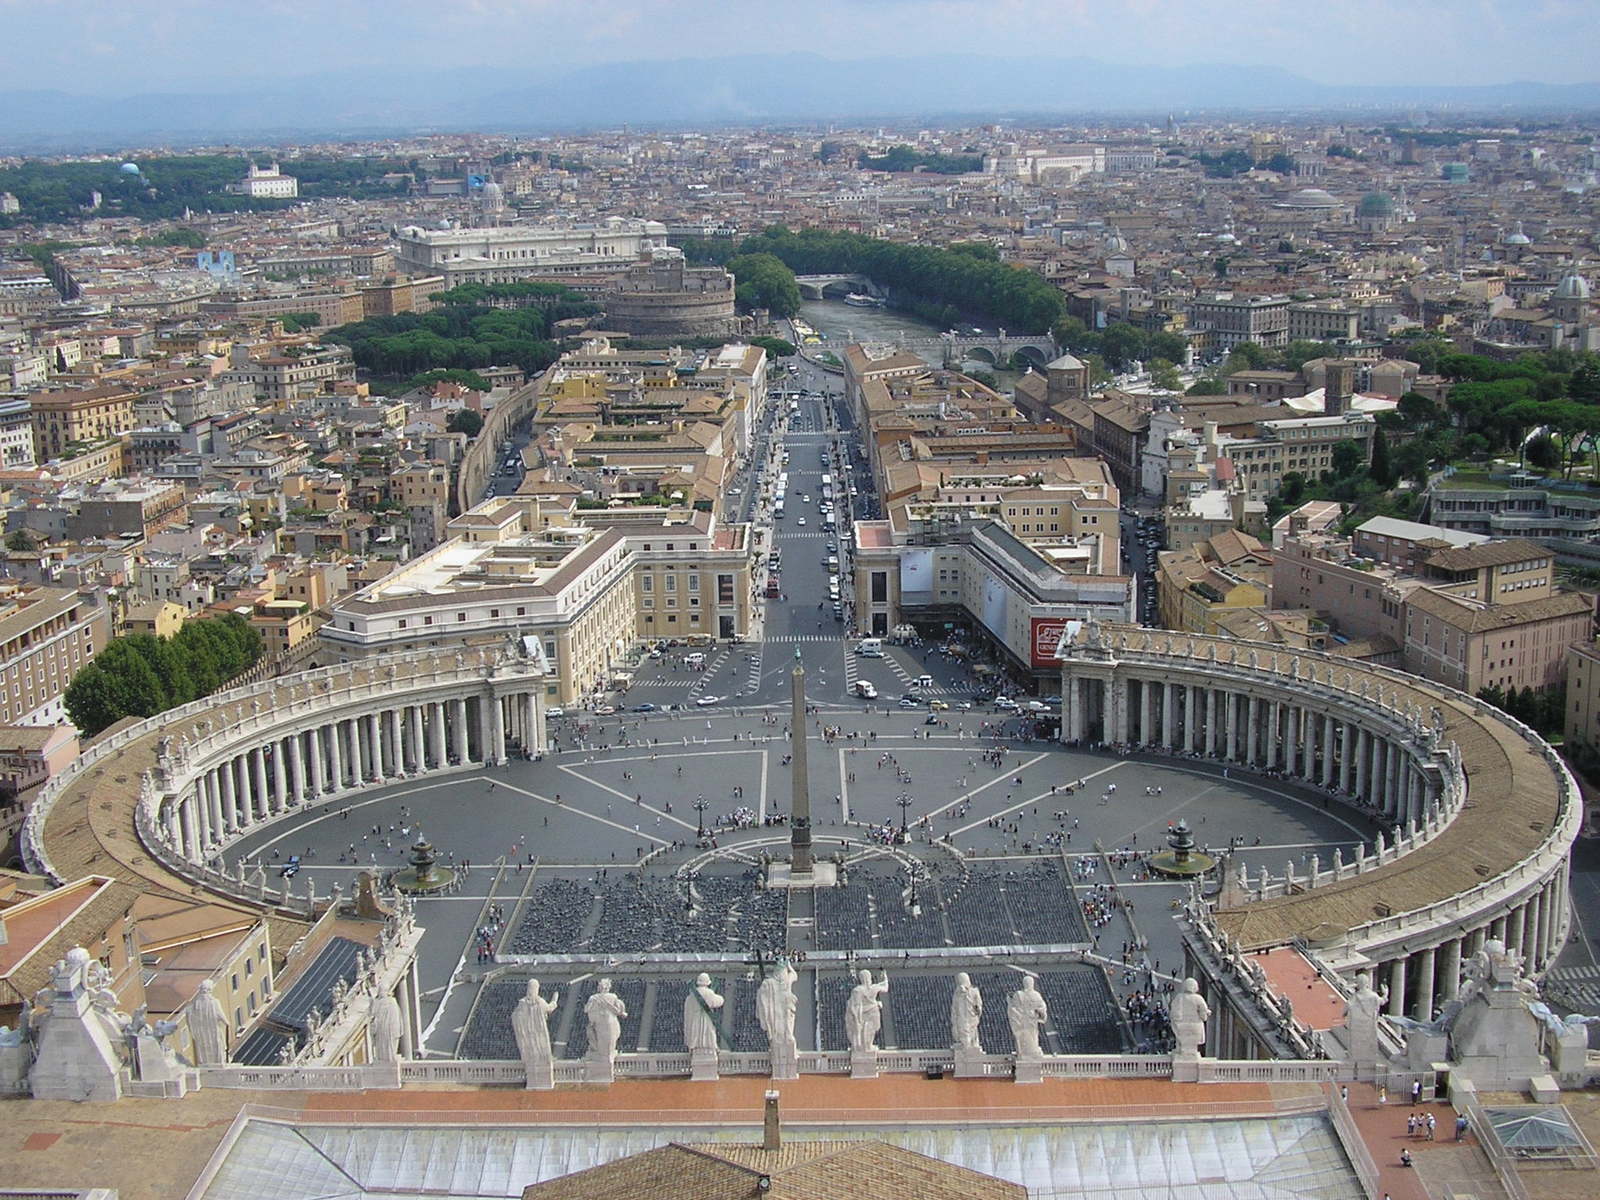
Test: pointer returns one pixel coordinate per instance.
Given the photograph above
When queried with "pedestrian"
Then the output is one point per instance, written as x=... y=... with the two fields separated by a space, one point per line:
x=1416 y=1090
x=1461 y=1127
x=1383 y=1094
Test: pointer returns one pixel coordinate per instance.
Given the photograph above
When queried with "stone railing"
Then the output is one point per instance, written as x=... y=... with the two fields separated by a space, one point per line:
x=1355 y=1146
x=292 y=1078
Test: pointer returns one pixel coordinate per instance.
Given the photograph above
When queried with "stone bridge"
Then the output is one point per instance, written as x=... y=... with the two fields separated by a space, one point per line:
x=997 y=349
x=835 y=287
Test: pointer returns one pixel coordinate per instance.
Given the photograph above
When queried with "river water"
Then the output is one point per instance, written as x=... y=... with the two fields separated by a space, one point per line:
x=841 y=324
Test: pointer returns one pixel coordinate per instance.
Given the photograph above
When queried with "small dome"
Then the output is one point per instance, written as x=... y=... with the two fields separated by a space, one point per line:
x=129 y=168
x=1516 y=237
x=1311 y=198
x=1375 y=204
x=1573 y=287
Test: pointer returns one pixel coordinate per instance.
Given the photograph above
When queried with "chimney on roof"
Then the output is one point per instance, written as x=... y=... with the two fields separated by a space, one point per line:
x=771 y=1130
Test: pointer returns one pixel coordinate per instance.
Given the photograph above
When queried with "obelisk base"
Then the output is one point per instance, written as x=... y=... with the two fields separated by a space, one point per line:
x=783 y=875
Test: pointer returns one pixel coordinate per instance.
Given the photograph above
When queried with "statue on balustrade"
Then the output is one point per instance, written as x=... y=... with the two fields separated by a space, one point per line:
x=208 y=1027
x=863 y=1013
x=699 y=1015
x=1026 y=1011
x=530 y=1022
x=387 y=1022
x=775 y=1010
x=604 y=1011
x=1188 y=1015
x=1362 y=1011
x=966 y=1007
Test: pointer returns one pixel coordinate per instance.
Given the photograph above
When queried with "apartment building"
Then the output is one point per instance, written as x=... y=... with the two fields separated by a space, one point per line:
x=46 y=636
x=1323 y=321
x=63 y=419
x=1300 y=444
x=1228 y=319
x=307 y=372
x=504 y=253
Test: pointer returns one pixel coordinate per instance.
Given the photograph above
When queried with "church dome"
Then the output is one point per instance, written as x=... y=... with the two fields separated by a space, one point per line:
x=1312 y=198
x=1516 y=237
x=1376 y=204
x=1573 y=287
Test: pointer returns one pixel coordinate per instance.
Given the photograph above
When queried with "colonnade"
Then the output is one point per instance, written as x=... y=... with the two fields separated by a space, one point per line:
x=1364 y=735
x=1301 y=738
x=307 y=762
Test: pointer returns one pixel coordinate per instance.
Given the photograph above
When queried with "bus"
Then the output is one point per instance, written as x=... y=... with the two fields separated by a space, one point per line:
x=777 y=511
x=827 y=483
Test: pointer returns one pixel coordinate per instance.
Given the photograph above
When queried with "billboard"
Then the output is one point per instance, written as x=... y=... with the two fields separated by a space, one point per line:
x=1046 y=638
x=916 y=577
x=994 y=607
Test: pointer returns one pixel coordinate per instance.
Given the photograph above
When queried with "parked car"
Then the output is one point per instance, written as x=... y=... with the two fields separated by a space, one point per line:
x=708 y=701
x=909 y=702
x=645 y=707
x=291 y=868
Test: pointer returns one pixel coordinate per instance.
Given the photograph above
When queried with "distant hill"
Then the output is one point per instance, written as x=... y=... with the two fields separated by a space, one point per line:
x=738 y=90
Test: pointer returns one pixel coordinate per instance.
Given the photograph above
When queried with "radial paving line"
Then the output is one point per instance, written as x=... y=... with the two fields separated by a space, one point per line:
x=578 y=812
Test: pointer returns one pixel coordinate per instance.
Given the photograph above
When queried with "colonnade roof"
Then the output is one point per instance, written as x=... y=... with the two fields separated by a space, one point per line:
x=1514 y=792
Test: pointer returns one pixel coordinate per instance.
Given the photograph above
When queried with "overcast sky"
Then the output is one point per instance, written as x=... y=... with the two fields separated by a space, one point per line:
x=100 y=46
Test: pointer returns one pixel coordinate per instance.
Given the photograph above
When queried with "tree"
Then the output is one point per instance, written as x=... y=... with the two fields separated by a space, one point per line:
x=296 y=321
x=1348 y=458
x=1381 y=470
x=1122 y=343
x=1542 y=453
x=1164 y=375
x=1297 y=353
x=1417 y=411
x=1248 y=356
x=775 y=346
x=1208 y=385
x=1169 y=346
x=464 y=420
x=764 y=281
x=20 y=540
x=467 y=379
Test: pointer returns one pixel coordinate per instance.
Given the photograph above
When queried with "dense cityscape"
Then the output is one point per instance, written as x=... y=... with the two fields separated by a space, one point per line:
x=1059 y=655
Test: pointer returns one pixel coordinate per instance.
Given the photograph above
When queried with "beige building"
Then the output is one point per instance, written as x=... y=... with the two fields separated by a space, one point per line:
x=1583 y=694
x=588 y=591
x=1200 y=585
x=1471 y=645
x=1300 y=444
x=63 y=419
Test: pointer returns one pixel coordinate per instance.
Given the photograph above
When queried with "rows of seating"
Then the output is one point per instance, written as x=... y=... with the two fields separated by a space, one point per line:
x=553 y=919
x=1083 y=1011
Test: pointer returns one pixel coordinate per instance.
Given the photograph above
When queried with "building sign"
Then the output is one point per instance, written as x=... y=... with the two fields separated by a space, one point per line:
x=1047 y=633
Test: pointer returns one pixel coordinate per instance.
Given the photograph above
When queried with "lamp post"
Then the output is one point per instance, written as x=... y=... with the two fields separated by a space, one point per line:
x=904 y=802
x=700 y=807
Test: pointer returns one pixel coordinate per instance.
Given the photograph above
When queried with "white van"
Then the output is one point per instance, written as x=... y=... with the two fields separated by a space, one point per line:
x=870 y=647
x=695 y=661
x=866 y=690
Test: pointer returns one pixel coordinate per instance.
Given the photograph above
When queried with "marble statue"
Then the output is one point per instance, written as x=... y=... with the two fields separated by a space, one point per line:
x=1026 y=1012
x=1188 y=1015
x=699 y=1015
x=966 y=1007
x=604 y=1011
x=1362 y=1012
x=775 y=1010
x=208 y=1026
x=530 y=1022
x=863 y=1012
x=387 y=1022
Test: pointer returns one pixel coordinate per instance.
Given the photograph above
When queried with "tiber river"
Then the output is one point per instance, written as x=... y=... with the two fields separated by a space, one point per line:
x=842 y=324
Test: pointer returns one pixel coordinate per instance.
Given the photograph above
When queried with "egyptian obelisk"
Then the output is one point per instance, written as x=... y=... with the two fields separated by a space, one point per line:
x=800 y=805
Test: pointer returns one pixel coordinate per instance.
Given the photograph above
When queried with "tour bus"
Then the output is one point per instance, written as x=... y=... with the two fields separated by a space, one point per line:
x=777 y=511
x=827 y=483
x=870 y=647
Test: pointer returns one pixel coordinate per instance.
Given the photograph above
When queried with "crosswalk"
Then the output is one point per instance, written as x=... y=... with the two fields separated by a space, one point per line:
x=1575 y=987
x=712 y=668
x=806 y=637
x=758 y=657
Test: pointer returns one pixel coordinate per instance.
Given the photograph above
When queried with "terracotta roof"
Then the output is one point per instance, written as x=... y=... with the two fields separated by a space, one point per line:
x=1471 y=617
x=795 y=1171
x=1488 y=554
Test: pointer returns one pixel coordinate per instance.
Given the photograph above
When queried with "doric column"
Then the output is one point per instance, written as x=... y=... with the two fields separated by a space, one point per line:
x=374 y=732
x=460 y=722
x=436 y=734
x=1211 y=723
x=187 y=833
x=497 y=729
x=297 y=769
x=1252 y=739
x=1450 y=970
x=1396 y=791
x=259 y=791
x=1169 y=714
x=203 y=811
x=1191 y=719
x=336 y=744
x=280 y=777
x=1231 y=722
x=1147 y=711
x=1423 y=1008
x=1347 y=756
x=217 y=822
x=1274 y=721
x=533 y=731
x=314 y=764
x=230 y=811
x=1293 y=743
x=1397 y=987
x=419 y=749
x=244 y=802
x=1363 y=753
x=1328 y=751
x=1536 y=932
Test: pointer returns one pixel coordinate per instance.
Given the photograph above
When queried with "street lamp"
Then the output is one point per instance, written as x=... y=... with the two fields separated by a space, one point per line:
x=700 y=807
x=905 y=803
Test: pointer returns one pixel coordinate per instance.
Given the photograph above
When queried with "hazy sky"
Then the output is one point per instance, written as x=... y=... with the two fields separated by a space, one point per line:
x=156 y=45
